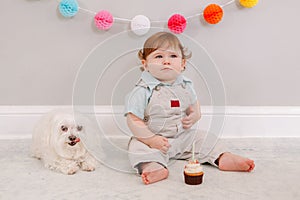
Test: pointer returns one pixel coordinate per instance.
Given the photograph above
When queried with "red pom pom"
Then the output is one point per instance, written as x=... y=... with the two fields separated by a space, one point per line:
x=213 y=14
x=177 y=23
x=103 y=20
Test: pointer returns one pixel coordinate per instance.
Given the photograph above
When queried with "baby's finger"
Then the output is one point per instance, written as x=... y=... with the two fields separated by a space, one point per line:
x=167 y=145
x=187 y=119
x=164 y=149
x=186 y=122
x=187 y=125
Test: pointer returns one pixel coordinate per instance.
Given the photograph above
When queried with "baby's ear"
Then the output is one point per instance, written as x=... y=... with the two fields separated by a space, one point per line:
x=183 y=64
x=144 y=64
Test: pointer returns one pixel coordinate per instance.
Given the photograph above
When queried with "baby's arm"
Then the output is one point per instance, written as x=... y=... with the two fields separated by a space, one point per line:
x=143 y=134
x=193 y=115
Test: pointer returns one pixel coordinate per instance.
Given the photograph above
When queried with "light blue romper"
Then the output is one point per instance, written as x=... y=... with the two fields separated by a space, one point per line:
x=162 y=107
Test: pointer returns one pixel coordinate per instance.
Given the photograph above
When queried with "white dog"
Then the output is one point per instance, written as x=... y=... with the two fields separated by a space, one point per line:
x=57 y=142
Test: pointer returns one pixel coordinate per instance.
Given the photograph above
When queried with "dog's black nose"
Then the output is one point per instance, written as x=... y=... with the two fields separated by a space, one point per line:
x=72 y=137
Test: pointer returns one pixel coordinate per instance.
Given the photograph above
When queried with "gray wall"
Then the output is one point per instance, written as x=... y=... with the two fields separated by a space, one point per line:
x=41 y=53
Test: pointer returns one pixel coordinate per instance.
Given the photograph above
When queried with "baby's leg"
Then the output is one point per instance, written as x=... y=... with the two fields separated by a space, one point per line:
x=140 y=154
x=212 y=150
x=153 y=172
x=231 y=162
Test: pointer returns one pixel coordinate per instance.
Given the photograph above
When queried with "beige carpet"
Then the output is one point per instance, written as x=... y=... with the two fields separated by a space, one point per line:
x=276 y=176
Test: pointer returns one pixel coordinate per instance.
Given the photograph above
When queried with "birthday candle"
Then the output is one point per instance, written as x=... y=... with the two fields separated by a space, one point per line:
x=193 y=152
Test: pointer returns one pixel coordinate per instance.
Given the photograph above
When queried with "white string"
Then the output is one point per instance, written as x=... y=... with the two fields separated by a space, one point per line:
x=154 y=21
x=193 y=16
x=122 y=19
x=88 y=11
x=228 y=3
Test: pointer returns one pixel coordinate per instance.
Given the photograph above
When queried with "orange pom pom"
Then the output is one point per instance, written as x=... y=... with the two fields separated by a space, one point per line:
x=213 y=14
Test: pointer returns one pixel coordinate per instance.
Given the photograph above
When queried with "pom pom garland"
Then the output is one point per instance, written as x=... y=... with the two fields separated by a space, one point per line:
x=213 y=14
x=177 y=23
x=103 y=20
x=140 y=25
x=68 y=8
x=248 y=3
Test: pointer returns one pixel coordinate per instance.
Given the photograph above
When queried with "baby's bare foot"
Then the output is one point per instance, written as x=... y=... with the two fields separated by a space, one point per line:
x=232 y=162
x=154 y=172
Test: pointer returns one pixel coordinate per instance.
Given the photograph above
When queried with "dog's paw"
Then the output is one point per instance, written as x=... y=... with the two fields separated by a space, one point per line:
x=70 y=169
x=87 y=167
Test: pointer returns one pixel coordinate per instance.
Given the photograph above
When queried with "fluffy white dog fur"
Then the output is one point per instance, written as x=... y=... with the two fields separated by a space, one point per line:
x=57 y=142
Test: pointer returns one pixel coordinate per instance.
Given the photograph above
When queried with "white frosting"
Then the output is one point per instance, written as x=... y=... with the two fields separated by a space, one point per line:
x=193 y=168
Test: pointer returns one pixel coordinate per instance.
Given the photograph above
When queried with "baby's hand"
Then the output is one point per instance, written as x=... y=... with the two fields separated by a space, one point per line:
x=187 y=122
x=159 y=142
x=192 y=117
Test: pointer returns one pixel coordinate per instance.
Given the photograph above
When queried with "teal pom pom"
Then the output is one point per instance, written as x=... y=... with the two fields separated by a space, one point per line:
x=68 y=8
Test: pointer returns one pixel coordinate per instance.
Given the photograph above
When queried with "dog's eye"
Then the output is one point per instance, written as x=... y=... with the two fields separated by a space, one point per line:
x=64 y=128
x=79 y=128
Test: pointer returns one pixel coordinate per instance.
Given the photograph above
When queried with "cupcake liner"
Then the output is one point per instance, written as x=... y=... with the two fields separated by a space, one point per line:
x=193 y=180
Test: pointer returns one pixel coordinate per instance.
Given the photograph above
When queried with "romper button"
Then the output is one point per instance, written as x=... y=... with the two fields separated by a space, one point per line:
x=157 y=88
x=146 y=118
x=183 y=85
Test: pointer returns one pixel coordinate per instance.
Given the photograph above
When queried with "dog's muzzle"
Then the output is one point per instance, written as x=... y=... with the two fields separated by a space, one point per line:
x=73 y=140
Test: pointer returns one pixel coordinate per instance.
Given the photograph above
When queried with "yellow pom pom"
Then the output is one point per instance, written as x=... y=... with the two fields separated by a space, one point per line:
x=248 y=3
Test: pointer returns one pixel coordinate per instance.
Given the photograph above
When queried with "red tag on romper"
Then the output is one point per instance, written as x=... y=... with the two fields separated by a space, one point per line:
x=175 y=103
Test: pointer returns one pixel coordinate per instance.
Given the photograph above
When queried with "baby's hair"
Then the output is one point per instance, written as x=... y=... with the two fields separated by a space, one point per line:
x=162 y=40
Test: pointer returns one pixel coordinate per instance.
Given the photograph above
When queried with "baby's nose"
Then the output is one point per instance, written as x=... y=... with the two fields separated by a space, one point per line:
x=166 y=61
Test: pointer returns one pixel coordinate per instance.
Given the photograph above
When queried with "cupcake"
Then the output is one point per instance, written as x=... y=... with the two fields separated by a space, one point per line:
x=193 y=173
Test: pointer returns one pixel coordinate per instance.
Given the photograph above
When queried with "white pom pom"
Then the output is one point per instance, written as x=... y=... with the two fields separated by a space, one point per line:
x=140 y=25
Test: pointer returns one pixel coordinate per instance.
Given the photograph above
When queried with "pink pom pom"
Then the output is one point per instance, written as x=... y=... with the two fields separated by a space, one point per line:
x=177 y=23
x=103 y=20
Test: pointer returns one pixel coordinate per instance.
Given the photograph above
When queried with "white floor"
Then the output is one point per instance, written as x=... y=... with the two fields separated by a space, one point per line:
x=276 y=176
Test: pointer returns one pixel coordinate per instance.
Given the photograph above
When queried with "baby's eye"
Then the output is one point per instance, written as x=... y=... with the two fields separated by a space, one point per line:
x=174 y=56
x=158 y=56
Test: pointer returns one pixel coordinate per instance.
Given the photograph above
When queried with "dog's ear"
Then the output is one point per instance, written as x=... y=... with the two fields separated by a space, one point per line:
x=42 y=134
x=53 y=125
